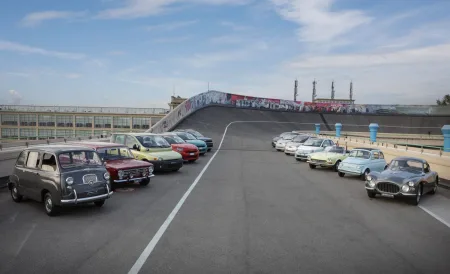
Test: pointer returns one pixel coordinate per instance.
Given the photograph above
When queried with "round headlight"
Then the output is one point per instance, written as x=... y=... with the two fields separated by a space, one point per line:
x=371 y=183
x=69 y=181
x=405 y=188
x=150 y=169
x=410 y=183
x=179 y=149
x=160 y=159
x=369 y=178
x=120 y=173
x=106 y=176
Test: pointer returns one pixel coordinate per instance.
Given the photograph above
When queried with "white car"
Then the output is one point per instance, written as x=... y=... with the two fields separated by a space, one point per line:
x=312 y=145
x=281 y=143
x=291 y=147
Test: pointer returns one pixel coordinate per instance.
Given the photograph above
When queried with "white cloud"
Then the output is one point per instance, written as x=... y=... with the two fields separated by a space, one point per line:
x=171 y=26
x=318 y=21
x=15 y=96
x=16 y=47
x=143 y=8
x=36 y=18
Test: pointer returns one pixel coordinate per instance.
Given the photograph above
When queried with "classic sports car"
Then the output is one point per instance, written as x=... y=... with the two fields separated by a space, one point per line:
x=404 y=177
x=281 y=143
x=189 y=152
x=291 y=147
x=190 y=139
x=310 y=146
x=151 y=148
x=276 y=138
x=330 y=157
x=199 y=136
x=361 y=161
x=121 y=165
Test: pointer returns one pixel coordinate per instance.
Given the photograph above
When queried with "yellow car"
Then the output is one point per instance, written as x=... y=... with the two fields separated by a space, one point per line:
x=150 y=148
x=331 y=157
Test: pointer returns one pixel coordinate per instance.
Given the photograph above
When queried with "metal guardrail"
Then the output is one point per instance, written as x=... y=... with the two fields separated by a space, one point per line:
x=21 y=144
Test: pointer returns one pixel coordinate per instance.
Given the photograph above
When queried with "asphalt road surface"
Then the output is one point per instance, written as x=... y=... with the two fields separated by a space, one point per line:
x=253 y=210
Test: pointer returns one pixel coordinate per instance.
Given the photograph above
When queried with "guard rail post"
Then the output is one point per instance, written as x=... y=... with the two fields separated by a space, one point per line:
x=446 y=132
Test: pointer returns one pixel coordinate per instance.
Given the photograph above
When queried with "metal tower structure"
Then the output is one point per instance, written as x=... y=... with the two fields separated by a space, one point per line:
x=295 y=90
x=332 y=90
x=314 y=94
x=351 y=90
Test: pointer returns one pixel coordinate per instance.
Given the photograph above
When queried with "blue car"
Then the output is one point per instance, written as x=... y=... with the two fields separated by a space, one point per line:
x=189 y=138
x=199 y=136
x=361 y=161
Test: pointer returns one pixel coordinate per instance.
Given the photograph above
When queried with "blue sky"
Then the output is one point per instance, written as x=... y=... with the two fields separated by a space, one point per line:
x=135 y=53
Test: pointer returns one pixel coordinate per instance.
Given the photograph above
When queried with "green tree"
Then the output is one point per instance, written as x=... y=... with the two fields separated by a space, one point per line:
x=445 y=101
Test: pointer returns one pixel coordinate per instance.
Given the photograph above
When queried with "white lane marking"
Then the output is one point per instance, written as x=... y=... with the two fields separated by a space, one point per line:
x=438 y=207
x=435 y=216
x=22 y=244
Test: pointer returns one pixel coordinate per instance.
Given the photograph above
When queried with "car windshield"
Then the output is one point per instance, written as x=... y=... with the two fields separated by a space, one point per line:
x=335 y=150
x=360 y=154
x=408 y=165
x=289 y=136
x=195 y=133
x=153 y=141
x=313 y=142
x=284 y=134
x=173 y=139
x=82 y=158
x=186 y=136
x=114 y=153
x=300 y=138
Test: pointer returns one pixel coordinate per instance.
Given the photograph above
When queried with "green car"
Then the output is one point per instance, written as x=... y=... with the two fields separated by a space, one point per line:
x=150 y=148
x=191 y=139
x=331 y=157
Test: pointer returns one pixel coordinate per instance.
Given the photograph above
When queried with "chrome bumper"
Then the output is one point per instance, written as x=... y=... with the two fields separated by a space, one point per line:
x=385 y=193
x=326 y=164
x=89 y=199
x=134 y=179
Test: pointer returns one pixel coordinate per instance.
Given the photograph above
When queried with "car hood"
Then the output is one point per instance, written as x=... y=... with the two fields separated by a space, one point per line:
x=185 y=146
x=325 y=155
x=282 y=141
x=296 y=144
x=165 y=155
x=354 y=160
x=308 y=148
x=396 y=176
x=196 y=142
x=126 y=164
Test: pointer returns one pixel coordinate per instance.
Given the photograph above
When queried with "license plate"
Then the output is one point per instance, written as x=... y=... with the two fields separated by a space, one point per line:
x=387 y=195
x=192 y=154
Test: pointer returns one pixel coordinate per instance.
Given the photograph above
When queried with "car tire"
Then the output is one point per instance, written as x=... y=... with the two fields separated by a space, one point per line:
x=311 y=166
x=192 y=161
x=145 y=182
x=209 y=149
x=364 y=175
x=202 y=154
x=416 y=200
x=50 y=208
x=435 y=188
x=99 y=203
x=15 y=194
x=341 y=174
x=297 y=159
x=335 y=167
x=371 y=194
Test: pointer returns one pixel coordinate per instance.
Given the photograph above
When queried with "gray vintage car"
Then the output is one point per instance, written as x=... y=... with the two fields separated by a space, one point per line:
x=60 y=175
x=404 y=177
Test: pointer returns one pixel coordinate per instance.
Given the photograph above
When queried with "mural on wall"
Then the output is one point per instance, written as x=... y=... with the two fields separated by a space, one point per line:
x=241 y=101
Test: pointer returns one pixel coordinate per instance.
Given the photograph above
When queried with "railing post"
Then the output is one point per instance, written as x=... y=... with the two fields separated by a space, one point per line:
x=26 y=143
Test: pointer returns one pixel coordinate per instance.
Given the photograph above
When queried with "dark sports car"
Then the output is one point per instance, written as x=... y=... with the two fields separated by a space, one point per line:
x=404 y=177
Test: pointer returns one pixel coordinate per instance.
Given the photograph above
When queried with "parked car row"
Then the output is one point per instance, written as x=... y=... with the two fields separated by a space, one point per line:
x=89 y=172
x=406 y=177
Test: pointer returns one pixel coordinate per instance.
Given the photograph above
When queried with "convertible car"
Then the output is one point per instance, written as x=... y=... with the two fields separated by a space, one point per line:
x=330 y=157
x=404 y=177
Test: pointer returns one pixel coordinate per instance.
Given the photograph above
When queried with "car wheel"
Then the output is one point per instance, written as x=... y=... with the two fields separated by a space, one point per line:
x=416 y=200
x=144 y=182
x=203 y=154
x=311 y=166
x=192 y=161
x=15 y=194
x=364 y=175
x=435 y=188
x=209 y=149
x=297 y=159
x=341 y=174
x=371 y=194
x=50 y=208
x=99 y=203
x=336 y=165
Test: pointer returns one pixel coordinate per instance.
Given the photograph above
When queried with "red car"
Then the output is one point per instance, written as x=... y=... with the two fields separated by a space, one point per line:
x=188 y=151
x=121 y=165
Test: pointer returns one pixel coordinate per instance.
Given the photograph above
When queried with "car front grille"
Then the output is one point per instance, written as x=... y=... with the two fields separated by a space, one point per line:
x=388 y=187
x=319 y=161
x=89 y=179
x=134 y=173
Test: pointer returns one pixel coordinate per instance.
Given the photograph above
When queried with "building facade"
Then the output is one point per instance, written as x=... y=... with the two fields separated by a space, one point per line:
x=44 y=122
x=175 y=101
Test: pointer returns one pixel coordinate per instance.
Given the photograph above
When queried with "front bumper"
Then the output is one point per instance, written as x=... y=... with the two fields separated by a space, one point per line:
x=190 y=156
x=290 y=151
x=320 y=163
x=134 y=180
x=167 y=165
x=75 y=201
x=280 y=147
x=302 y=156
x=350 y=171
x=398 y=194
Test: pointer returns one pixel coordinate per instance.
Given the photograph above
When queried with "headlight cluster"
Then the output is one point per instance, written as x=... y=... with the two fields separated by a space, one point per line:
x=69 y=181
x=120 y=174
x=405 y=188
x=179 y=149
x=370 y=181
x=150 y=169
x=309 y=158
x=410 y=183
x=329 y=160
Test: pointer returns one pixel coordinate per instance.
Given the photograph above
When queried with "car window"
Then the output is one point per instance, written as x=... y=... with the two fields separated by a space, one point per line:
x=381 y=155
x=48 y=162
x=73 y=159
x=120 y=139
x=427 y=168
x=376 y=155
x=33 y=159
x=364 y=154
x=21 y=159
x=130 y=141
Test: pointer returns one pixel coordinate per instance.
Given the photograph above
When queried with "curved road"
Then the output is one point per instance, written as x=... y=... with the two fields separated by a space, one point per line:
x=253 y=210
